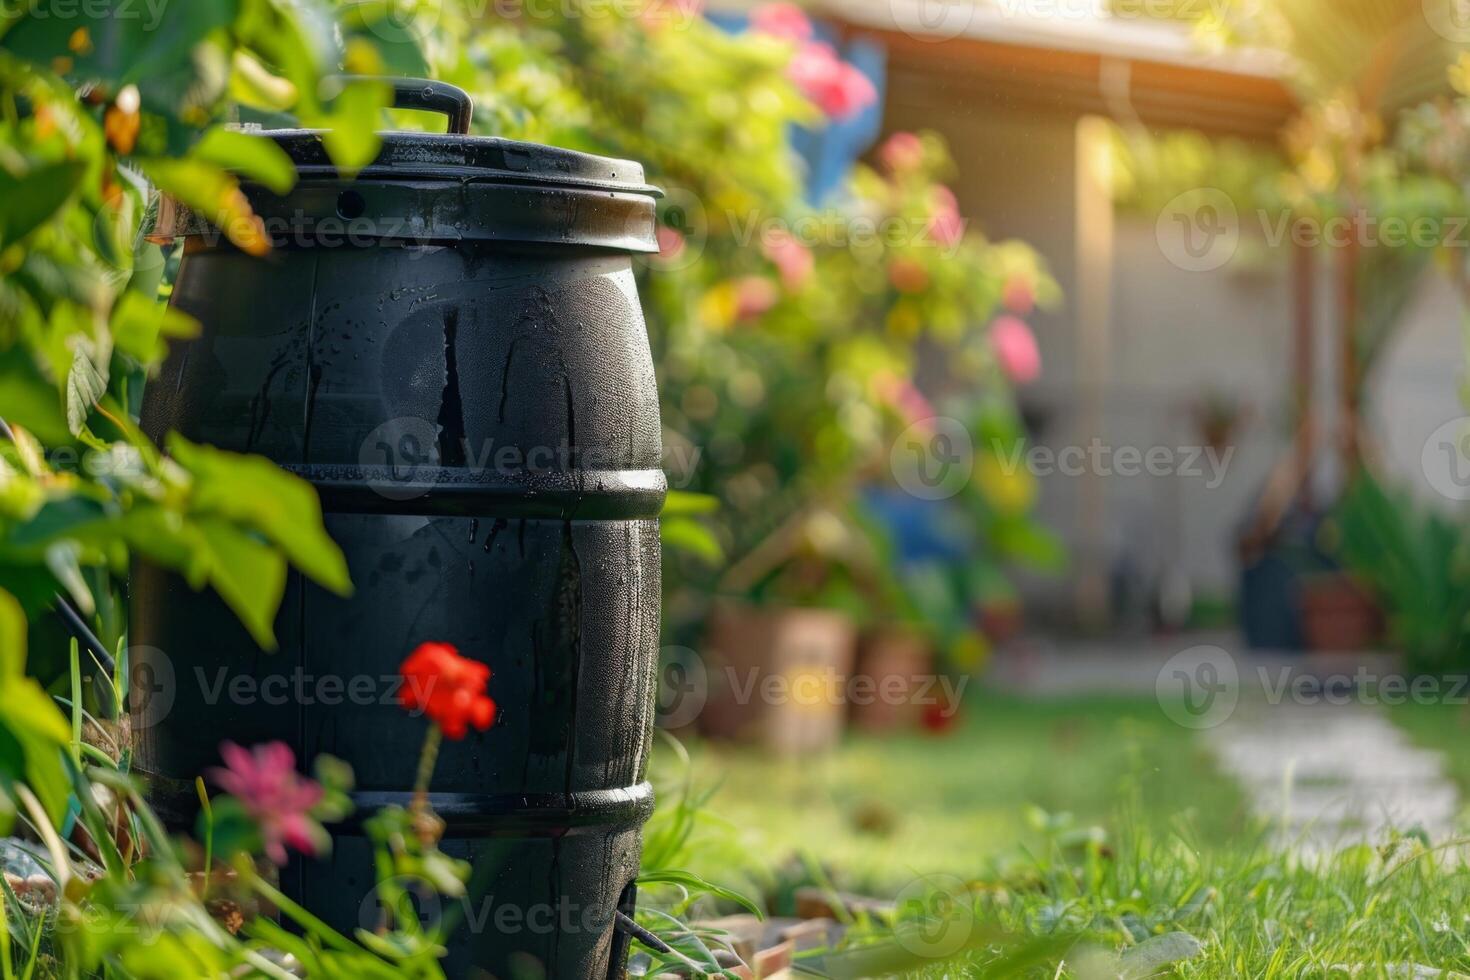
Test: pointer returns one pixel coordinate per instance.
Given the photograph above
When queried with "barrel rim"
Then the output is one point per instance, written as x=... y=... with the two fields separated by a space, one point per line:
x=456 y=157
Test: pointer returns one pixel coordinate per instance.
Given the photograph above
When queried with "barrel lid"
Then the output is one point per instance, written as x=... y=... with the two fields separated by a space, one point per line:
x=455 y=156
x=438 y=187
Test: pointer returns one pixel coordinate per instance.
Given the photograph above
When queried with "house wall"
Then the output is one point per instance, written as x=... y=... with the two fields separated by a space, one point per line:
x=1175 y=336
x=1414 y=397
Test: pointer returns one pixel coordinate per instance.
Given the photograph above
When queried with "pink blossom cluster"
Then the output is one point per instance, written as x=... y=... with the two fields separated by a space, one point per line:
x=836 y=87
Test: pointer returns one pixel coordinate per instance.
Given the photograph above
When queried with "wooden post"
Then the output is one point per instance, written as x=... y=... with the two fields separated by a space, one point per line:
x=1304 y=366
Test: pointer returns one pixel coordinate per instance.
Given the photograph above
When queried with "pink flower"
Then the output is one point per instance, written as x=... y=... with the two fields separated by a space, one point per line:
x=781 y=20
x=1019 y=297
x=670 y=242
x=1015 y=349
x=754 y=295
x=946 y=226
x=837 y=88
x=276 y=796
x=901 y=153
x=907 y=401
x=792 y=259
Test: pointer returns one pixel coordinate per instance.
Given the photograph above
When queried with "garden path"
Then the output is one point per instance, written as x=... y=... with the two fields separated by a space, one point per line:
x=1330 y=775
x=1323 y=763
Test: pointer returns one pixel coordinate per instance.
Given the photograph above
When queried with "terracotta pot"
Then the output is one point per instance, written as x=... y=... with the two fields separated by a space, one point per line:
x=1337 y=613
x=892 y=666
x=1000 y=621
x=778 y=675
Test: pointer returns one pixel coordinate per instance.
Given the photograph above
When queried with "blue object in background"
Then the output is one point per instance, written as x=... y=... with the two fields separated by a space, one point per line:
x=921 y=530
x=830 y=151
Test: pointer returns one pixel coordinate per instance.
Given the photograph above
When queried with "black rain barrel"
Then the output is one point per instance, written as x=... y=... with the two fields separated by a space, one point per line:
x=449 y=347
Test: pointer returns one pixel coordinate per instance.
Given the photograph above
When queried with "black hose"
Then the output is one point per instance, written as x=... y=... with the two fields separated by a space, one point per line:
x=625 y=923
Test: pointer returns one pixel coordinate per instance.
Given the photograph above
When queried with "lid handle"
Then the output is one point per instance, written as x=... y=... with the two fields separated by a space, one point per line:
x=430 y=96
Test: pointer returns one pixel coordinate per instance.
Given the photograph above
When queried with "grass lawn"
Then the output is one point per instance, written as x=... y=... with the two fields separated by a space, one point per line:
x=882 y=810
x=1178 y=864
x=1445 y=727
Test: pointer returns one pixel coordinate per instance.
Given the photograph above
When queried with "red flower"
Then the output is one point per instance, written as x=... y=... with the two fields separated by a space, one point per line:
x=450 y=689
x=277 y=797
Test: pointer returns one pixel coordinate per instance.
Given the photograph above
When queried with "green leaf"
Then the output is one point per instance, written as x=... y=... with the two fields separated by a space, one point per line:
x=141 y=323
x=682 y=502
x=687 y=534
x=28 y=399
x=61 y=559
x=248 y=574
x=351 y=127
x=252 y=490
x=256 y=158
x=214 y=193
x=378 y=22
x=37 y=726
x=128 y=41
x=12 y=637
x=28 y=201
x=86 y=382
x=695 y=884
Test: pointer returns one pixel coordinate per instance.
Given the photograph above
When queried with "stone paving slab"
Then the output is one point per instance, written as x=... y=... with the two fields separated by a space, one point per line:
x=1334 y=775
